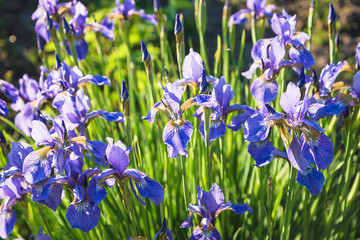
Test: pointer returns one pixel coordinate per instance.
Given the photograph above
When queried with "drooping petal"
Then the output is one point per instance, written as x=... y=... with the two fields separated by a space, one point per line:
x=149 y=188
x=152 y=113
x=319 y=150
x=262 y=152
x=3 y=108
x=95 y=79
x=256 y=129
x=296 y=156
x=210 y=234
x=7 y=222
x=83 y=215
x=303 y=56
x=42 y=236
x=176 y=136
x=96 y=189
x=188 y=222
x=312 y=179
x=18 y=153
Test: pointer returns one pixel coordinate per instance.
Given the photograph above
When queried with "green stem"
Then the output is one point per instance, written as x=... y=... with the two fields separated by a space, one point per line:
x=182 y=162
x=285 y=228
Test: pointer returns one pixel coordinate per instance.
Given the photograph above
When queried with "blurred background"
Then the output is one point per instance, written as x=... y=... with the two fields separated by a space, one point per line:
x=19 y=54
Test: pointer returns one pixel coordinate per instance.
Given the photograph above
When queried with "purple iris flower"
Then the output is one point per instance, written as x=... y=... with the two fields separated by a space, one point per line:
x=118 y=157
x=219 y=101
x=127 y=9
x=258 y=7
x=357 y=55
x=317 y=147
x=209 y=206
x=72 y=77
x=177 y=132
x=38 y=164
x=257 y=127
x=75 y=111
x=3 y=108
x=164 y=233
x=284 y=26
x=12 y=186
x=81 y=213
x=271 y=59
x=42 y=236
x=264 y=152
x=355 y=90
x=193 y=70
x=323 y=104
x=9 y=90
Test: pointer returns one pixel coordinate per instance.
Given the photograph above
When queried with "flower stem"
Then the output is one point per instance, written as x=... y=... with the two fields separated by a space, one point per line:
x=182 y=162
x=285 y=226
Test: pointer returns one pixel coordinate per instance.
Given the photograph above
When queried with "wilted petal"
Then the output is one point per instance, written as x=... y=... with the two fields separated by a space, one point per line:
x=312 y=179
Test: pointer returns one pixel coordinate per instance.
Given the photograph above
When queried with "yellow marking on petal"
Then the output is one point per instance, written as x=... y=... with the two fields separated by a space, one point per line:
x=114 y=15
x=349 y=67
x=43 y=152
x=79 y=140
x=190 y=102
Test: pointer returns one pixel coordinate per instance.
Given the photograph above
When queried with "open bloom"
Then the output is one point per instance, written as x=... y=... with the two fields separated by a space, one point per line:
x=209 y=206
x=219 y=101
x=177 y=132
x=127 y=9
x=256 y=7
x=118 y=157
